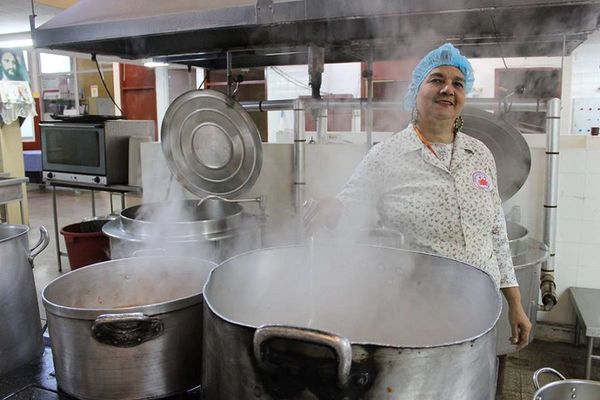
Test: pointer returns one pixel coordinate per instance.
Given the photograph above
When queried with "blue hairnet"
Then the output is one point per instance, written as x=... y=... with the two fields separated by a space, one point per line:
x=443 y=55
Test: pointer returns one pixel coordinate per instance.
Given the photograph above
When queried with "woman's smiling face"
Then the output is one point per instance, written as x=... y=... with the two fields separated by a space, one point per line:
x=442 y=94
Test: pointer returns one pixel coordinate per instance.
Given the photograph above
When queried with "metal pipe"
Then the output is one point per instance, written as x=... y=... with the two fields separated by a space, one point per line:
x=369 y=119
x=299 y=143
x=547 y=285
x=229 y=73
x=535 y=105
x=56 y=238
x=299 y=157
x=322 y=117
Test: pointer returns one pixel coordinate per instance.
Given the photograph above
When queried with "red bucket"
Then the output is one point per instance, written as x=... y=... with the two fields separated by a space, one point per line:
x=85 y=248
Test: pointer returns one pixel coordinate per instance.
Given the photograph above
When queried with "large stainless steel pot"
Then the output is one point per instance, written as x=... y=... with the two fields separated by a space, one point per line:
x=349 y=322
x=21 y=332
x=527 y=257
x=212 y=229
x=128 y=329
x=565 y=389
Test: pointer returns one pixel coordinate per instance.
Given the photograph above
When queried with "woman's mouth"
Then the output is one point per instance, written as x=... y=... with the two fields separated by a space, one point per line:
x=446 y=103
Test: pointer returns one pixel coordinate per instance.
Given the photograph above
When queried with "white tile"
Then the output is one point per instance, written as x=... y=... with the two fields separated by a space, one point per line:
x=591 y=209
x=588 y=277
x=572 y=161
x=588 y=255
x=592 y=186
x=568 y=230
x=562 y=313
x=565 y=277
x=592 y=162
x=571 y=184
x=570 y=208
x=567 y=254
x=590 y=233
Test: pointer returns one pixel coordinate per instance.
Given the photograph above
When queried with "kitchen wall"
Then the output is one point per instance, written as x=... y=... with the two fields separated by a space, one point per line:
x=578 y=236
x=579 y=181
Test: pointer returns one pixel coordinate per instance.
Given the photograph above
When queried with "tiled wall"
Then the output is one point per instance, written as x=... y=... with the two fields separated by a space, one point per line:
x=578 y=234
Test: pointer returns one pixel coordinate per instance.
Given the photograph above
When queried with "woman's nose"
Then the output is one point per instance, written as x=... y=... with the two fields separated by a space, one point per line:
x=447 y=89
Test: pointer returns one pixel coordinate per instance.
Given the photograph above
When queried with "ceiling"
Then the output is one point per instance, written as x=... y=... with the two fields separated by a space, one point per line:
x=14 y=17
x=275 y=32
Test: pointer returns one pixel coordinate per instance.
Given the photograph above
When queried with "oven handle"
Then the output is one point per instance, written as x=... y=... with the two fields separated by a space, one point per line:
x=69 y=125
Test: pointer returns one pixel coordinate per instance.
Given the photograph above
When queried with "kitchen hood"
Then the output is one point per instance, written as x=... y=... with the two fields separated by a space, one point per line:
x=276 y=32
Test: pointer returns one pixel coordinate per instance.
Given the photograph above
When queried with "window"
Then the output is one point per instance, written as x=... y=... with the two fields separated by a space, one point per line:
x=53 y=63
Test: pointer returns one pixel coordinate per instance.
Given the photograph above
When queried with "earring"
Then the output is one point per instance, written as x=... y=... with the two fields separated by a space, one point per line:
x=458 y=124
x=414 y=116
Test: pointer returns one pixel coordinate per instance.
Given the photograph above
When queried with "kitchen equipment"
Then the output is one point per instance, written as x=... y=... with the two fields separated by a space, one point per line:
x=94 y=152
x=129 y=328
x=351 y=322
x=211 y=144
x=564 y=389
x=509 y=148
x=211 y=229
x=21 y=333
x=517 y=238
x=11 y=189
x=527 y=270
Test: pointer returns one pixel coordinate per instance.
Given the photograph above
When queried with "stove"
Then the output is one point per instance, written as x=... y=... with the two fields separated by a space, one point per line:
x=36 y=381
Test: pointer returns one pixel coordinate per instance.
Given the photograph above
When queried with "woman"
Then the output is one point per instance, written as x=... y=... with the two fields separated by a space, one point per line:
x=434 y=183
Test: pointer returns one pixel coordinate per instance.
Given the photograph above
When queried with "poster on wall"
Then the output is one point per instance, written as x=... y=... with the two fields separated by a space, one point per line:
x=12 y=65
x=16 y=100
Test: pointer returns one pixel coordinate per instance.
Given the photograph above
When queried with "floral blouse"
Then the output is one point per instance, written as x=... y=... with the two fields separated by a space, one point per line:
x=447 y=208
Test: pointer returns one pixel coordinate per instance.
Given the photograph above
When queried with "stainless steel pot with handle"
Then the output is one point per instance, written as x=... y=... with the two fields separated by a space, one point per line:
x=348 y=322
x=21 y=333
x=564 y=389
x=128 y=328
x=211 y=229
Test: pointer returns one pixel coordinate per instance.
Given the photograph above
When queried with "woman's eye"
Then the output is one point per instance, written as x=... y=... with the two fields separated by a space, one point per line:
x=459 y=84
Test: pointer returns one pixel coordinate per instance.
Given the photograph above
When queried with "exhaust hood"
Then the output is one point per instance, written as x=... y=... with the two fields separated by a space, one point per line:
x=275 y=32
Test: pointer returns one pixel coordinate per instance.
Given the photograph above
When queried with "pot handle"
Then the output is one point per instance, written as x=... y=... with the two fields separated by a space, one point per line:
x=536 y=375
x=340 y=345
x=42 y=243
x=126 y=330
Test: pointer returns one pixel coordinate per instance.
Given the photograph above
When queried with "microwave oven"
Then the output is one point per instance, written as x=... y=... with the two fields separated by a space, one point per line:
x=90 y=153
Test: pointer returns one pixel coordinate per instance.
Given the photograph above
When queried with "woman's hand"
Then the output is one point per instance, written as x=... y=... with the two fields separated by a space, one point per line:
x=519 y=323
x=317 y=214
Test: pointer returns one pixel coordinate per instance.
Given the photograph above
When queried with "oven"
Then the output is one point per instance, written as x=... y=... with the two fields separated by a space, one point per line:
x=91 y=152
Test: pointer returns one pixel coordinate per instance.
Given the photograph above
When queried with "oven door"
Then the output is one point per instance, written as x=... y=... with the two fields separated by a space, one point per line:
x=73 y=148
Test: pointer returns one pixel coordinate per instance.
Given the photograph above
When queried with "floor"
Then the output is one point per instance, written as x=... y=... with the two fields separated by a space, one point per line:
x=74 y=206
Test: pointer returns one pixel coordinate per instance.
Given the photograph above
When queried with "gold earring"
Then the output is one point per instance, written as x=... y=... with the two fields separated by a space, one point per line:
x=458 y=124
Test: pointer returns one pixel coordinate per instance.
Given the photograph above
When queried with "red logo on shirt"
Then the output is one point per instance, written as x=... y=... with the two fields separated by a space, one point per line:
x=482 y=181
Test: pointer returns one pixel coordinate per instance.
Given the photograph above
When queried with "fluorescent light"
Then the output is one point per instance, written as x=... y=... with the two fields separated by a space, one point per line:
x=152 y=64
x=16 y=43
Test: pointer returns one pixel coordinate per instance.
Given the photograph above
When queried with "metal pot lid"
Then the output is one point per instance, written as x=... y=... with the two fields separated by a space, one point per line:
x=211 y=144
x=509 y=148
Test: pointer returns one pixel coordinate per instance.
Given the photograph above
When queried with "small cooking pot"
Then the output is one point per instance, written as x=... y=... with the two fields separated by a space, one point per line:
x=565 y=389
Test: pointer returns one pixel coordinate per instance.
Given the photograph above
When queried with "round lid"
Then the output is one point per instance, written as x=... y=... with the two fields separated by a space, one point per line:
x=211 y=144
x=509 y=148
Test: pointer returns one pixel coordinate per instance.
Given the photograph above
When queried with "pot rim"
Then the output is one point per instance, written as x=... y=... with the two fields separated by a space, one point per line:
x=25 y=228
x=466 y=340
x=550 y=385
x=114 y=229
x=90 y=313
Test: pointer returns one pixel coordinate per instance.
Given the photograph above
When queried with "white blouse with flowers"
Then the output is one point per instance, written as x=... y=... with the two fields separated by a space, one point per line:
x=447 y=206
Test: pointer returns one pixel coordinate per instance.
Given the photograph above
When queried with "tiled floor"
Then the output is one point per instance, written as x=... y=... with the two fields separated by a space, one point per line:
x=73 y=207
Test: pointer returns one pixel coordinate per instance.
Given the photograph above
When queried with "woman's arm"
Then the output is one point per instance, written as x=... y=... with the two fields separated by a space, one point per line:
x=519 y=323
